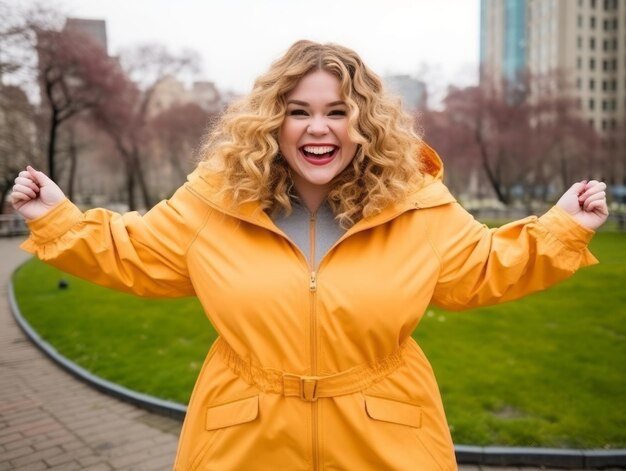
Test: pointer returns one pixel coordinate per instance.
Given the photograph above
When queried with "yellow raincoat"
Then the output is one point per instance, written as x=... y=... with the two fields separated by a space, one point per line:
x=314 y=368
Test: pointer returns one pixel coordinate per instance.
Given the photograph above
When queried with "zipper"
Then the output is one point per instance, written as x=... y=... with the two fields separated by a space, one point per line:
x=313 y=327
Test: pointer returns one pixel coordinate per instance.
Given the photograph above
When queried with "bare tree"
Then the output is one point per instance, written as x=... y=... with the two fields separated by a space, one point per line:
x=177 y=132
x=17 y=136
x=128 y=126
x=76 y=76
x=526 y=145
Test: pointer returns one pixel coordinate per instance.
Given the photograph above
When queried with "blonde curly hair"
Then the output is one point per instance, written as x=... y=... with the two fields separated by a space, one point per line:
x=243 y=148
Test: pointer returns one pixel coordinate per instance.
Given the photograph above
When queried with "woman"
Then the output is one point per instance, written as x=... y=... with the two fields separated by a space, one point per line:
x=315 y=233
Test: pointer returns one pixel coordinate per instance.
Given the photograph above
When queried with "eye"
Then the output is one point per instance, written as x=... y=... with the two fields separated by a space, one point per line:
x=297 y=112
x=337 y=113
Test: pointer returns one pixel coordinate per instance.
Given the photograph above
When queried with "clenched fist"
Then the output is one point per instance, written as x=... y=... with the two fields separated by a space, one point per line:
x=34 y=194
x=586 y=202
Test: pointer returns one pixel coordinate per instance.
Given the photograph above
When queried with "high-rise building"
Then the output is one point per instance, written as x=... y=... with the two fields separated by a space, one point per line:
x=503 y=42
x=95 y=29
x=410 y=90
x=584 y=39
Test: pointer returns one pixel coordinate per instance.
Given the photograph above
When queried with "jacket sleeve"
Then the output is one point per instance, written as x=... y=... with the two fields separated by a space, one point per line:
x=481 y=266
x=143 y=255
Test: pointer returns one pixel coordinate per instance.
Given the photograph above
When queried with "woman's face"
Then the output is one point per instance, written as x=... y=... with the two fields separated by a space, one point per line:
x=314 y=135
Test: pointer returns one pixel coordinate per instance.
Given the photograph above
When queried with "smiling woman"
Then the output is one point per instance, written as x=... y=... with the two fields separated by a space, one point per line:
x=314 y=138
x=315 y=233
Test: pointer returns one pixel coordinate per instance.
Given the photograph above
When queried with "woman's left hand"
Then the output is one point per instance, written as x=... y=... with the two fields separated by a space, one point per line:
x=586 y=202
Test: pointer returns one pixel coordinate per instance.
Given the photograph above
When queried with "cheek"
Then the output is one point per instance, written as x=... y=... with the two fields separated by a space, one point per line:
x=288 y=134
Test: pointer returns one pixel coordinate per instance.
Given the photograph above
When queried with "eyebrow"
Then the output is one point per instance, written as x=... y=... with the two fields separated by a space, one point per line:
x=304 y=103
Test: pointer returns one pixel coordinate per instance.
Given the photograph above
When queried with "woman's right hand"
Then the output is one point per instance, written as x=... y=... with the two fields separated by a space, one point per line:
x=34 y=194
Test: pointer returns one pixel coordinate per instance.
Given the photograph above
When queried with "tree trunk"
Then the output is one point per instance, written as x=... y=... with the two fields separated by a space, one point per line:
x=484 y=158
x=73 y=154
x=130 y=186
x=3 y=195
x=564 y=174
x=52 y=137
x=139 y=175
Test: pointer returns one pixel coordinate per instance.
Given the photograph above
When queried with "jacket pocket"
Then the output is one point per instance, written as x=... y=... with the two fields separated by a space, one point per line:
x=221 y=416
x=232 y=413
x=391 y=410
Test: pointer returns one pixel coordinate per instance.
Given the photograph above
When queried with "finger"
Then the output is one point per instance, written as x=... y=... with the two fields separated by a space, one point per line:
x=578 y=187
x=26 y=174
x=25 y=190
x=40 y=178
x=597 y=197
x=27 y=182
x=18 y=196
x=599 y=187
x=598 y=207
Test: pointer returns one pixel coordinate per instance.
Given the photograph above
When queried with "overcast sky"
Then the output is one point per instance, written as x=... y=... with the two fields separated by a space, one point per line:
x=237 y=39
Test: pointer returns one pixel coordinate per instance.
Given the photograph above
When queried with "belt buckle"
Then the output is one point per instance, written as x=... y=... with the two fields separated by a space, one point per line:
x=308 y=388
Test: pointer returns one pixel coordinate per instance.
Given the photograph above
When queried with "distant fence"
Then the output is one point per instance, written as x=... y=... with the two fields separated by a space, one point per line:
x=12 y=225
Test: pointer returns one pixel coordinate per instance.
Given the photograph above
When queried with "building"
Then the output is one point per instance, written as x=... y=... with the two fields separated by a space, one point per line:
x=95 y=29
x=584 y=39
x=503 y=42
x=412 y=91
x=169 y=91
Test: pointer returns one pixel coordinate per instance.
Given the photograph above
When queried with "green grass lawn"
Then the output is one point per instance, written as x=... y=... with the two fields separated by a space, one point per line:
x=549 y=370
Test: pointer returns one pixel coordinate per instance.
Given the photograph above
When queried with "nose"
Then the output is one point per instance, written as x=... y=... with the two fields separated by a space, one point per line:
x=318 y=126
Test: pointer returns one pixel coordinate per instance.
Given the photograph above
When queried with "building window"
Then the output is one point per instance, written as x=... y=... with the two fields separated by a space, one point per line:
x=579 y=63
x=592 y=22
x=593 y=3
x=605 y=105
x=604 y=86
x=591 y=123
x=592 y=43
x=580 y=42
x=605 y=65
x=604 y=124
x=605 y=45
x=579 y=83
x=592 y=63
x=592 y=84
x=592 y=104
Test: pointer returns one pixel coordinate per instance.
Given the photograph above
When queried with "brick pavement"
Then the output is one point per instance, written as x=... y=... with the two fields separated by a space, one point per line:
x=51 y=421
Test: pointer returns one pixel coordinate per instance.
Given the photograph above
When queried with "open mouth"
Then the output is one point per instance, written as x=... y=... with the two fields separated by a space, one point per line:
x=319 y=155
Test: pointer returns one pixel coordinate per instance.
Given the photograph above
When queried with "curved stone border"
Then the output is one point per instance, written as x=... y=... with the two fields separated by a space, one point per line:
x=465 y=454
x=151 y=403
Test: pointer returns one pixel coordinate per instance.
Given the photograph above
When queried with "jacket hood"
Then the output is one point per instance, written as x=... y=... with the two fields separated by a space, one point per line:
x=432 y=164
x=430 y=192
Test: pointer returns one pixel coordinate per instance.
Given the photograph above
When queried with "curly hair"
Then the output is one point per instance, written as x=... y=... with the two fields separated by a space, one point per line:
x=243 y=148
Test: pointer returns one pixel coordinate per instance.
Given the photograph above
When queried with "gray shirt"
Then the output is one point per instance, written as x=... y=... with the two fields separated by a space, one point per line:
x=297 y=226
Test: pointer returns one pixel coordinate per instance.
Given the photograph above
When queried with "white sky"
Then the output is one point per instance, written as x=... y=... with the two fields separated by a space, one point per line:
x=238 y=39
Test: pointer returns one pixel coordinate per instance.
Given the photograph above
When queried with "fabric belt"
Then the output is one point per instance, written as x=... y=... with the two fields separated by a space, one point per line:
x=310 y=388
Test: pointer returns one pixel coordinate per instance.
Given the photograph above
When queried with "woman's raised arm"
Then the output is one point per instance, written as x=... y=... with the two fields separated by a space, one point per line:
x=34 y=194
x=145 y=255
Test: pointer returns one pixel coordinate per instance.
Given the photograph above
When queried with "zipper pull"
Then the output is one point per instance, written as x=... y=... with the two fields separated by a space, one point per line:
x=313 y=284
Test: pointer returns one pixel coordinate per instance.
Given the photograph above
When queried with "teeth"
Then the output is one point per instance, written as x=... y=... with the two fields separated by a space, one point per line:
x=318 y=149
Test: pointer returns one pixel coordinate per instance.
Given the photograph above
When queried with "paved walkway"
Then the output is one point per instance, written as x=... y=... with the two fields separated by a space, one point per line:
x=51 y=421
